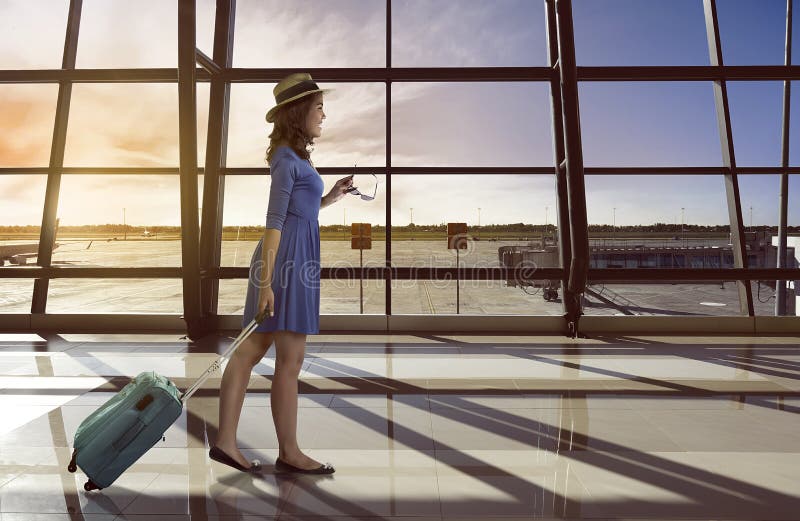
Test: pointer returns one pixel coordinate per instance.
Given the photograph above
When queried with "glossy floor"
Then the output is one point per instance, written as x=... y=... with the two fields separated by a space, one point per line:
x=427 y=427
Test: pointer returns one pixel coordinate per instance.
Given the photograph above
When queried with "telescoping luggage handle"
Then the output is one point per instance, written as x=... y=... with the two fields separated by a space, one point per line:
x=228 y=352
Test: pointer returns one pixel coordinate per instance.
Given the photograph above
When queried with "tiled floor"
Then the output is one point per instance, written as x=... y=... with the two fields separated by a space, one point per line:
x=427 y=427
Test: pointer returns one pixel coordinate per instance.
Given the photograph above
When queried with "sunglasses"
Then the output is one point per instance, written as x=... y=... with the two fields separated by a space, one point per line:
x=354 y=191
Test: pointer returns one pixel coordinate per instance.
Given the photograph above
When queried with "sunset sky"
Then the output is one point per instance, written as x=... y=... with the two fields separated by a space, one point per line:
x=457 y=124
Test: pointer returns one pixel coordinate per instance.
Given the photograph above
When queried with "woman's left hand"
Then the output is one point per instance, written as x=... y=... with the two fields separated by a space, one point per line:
x=340 y=189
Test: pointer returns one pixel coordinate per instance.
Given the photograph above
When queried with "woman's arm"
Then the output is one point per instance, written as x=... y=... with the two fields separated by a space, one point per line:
x=269 y=250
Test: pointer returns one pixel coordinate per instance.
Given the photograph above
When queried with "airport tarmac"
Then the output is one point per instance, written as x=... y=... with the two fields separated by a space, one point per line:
x=343 y=296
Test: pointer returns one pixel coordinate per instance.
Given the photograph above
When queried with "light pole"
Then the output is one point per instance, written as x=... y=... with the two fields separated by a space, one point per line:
x=613 y=223
x=124 y=226
x=751 y=218
x=411 y=221
x=546 y=208
x=479 y=222
x=683 y=236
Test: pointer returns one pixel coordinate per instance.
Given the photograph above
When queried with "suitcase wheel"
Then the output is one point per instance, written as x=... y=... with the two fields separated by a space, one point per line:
x=90 y=485
x=72 y=467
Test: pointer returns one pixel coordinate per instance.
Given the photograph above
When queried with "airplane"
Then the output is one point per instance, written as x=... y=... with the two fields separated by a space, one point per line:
x=145 y=233
x=20 y=253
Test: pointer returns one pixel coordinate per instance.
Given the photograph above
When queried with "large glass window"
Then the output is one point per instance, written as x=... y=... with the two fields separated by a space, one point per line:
x=121 y=220
x=33 y=34
x=753 y=32
x=659 y=222
x=632 y=32
x=123 y=125
x=471 y=124
x=354 y=131
x=756 y=121
x=649 y=124
x=468 y=33
x=21 y=202
x=509 y=218
x=122 y=34
x=115 y=296
x=308 y=33
x=27 y=124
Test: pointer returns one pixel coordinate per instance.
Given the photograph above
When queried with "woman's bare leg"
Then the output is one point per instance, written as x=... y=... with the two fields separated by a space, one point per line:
x=290 y=350
x=233 y=388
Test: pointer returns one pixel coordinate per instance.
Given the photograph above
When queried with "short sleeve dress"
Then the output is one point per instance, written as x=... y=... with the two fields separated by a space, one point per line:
x=294 y=202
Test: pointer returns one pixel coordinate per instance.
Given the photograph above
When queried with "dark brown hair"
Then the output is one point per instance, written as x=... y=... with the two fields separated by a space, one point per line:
x=290 y=127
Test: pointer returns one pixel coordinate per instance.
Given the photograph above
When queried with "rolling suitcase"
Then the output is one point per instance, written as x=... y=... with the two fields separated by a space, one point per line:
x=113 y=437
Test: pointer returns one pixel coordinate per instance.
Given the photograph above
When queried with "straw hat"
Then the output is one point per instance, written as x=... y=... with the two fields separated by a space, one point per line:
x=291 y=88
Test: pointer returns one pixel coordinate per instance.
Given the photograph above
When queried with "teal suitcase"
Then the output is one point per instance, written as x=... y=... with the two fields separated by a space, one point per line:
x=116 y=435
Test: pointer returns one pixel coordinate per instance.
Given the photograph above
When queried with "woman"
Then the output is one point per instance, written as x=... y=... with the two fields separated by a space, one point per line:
x=284 y=277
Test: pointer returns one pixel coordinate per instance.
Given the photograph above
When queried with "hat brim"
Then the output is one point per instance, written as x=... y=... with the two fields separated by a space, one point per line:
x=273 y=110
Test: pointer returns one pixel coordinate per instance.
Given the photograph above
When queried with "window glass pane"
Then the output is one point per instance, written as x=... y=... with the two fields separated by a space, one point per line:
x=793 y=240
x=33 y=33
x=468 y=33
x=632 y=32
x=512 y=211
x=753 y=32
x=471 y=124
x=760 y=205
x=29 y=113
x=142 y=132
x=308 y=33
x=336 y=297
x=204 y=37
x=681 y=227
x=93 y=209
x=21 y=203
x=756 y=121
x=121 y=34
x=115 y=296
x=478 y=297
x=795 y=32
x=244 y=218
x=696 y=299
x=16 y=295
x=649 y=124
x=354 y=130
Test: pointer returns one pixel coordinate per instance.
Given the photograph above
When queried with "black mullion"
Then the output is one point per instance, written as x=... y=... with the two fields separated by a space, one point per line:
x=187 y=134
x=573 y=154
x=783 y=198
x=388 y=280
x=728 y=157
x=216 y=152
x=47 y=233
x=557 y=126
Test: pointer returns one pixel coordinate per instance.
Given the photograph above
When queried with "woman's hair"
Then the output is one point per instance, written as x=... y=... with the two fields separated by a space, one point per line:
x=290 y=128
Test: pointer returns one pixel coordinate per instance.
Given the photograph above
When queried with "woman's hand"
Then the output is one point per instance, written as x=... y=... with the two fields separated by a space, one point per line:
x=266 y=299
x=340 y=189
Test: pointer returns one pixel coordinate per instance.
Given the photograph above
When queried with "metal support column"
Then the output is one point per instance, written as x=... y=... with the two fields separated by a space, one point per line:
x=48 y=229
x=216 y=152
x=573 y=164
x=187 y=130
x=564 y=246
x=388 y=160
x=783 y=203
x=728 y=157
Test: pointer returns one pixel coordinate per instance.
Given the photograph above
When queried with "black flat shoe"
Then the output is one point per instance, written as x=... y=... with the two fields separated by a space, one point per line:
x=282 y=466
x=219 y=455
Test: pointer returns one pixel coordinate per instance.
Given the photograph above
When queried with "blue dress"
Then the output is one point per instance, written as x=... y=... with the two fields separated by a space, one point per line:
x=294 y=201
